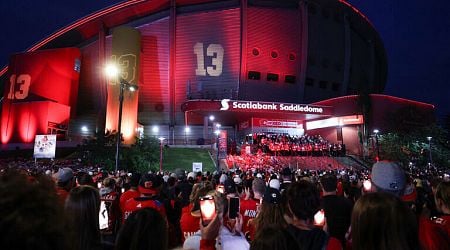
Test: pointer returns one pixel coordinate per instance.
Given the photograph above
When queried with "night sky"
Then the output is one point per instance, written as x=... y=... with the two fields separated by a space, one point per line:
x=416 y=35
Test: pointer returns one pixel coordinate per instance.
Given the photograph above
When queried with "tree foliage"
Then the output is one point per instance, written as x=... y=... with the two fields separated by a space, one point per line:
x=140 y=157
x=407 y=140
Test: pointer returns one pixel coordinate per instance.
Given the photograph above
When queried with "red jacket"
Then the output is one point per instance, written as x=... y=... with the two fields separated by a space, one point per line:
x=434 y=233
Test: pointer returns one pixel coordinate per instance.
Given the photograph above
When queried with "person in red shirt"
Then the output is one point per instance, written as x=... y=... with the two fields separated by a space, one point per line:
x=132 y=192
x=435 y=233
x=149 y=187
x=249 y=205
x=190 y=217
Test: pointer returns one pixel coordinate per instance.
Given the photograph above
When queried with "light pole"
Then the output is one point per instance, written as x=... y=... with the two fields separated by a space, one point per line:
x=161 y=139
x=376 y=131
x=112 y=71
x=186 y=130
x=429 y=148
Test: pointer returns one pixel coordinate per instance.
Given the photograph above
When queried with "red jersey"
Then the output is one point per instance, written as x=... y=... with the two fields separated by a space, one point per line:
x=130 y=194
x=188 y=223
x=249 y=210
x=435 y=234
x=142 y=202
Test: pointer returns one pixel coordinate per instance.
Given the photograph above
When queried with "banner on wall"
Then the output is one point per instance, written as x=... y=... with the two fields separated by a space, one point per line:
x=44 y=146
x=223 y=144
x=126 y=49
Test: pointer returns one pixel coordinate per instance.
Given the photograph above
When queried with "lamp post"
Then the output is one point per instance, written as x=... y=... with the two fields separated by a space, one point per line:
x=161 y=140
x=186 y=130
x=429 y=148
x=376 y=131
x=112 y=71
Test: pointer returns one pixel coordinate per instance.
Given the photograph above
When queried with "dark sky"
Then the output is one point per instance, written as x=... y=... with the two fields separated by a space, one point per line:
x=416 y=36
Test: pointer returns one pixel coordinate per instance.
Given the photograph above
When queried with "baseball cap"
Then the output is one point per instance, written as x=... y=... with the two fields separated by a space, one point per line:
x=388 y=176
x=191 y=175
x=237 y=180
x=230 y=187
x=149 y=184
x=274 y=183
x=64 y=175
x=272 y=196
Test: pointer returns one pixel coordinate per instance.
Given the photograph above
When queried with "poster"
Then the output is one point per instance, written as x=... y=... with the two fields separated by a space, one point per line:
x=44 y=146
x=197 y=167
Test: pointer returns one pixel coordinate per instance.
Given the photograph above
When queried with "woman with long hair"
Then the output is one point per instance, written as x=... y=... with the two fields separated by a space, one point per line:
x=381 y=221
x=82 y=210
x=270 y=212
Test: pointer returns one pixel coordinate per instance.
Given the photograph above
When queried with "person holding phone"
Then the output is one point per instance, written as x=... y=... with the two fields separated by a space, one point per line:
x=228 y=236
x=303 y=202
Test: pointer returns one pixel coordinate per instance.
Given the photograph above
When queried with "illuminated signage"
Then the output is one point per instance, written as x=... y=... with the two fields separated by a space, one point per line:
x=269 y=106
x=335 y=121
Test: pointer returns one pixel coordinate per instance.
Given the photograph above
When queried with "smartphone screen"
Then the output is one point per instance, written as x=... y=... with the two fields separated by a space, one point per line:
x=220 y=188
x=367 y=184
x=207 y=209
x=99 y=184
x=103 y=216
x=319 y=218
x=233 y=208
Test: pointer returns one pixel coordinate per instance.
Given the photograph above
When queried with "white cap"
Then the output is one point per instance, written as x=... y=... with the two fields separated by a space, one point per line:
x=274 y=183
x=165 y=178
x=191 y=175
x=237 y=180
x=258 y=175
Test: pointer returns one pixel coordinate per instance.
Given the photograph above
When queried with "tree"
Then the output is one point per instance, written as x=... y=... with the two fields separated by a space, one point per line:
x=139 y=157
x=414 y=147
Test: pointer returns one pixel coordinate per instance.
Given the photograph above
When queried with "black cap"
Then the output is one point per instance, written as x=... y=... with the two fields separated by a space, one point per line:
x=230 y=186
x=272 y=196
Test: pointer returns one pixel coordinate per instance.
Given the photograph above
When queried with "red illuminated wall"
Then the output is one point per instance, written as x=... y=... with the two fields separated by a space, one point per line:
x=207 y=56
x=273 y=35
x=20 y=122
x=154 y=85
x=51 y=75
x=42 y=88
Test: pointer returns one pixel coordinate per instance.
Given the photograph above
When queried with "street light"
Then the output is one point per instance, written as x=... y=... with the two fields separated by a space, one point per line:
x=186 y=130
x=112 y=71
x=429 y=148
x=161 y=139
x=376 y=131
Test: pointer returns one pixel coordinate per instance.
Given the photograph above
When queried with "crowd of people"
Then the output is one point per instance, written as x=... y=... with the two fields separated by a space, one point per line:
x=275 y=163
x=288 y=145
x=386 y=207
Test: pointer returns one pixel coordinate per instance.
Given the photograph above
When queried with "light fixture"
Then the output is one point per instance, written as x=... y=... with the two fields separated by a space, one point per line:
x=155 y=129
x=84 y=129
x=112 y=71
x=211 y=118
x=187 y=129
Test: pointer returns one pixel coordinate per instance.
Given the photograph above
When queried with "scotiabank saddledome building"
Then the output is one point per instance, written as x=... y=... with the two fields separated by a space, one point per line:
x=291 y=67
